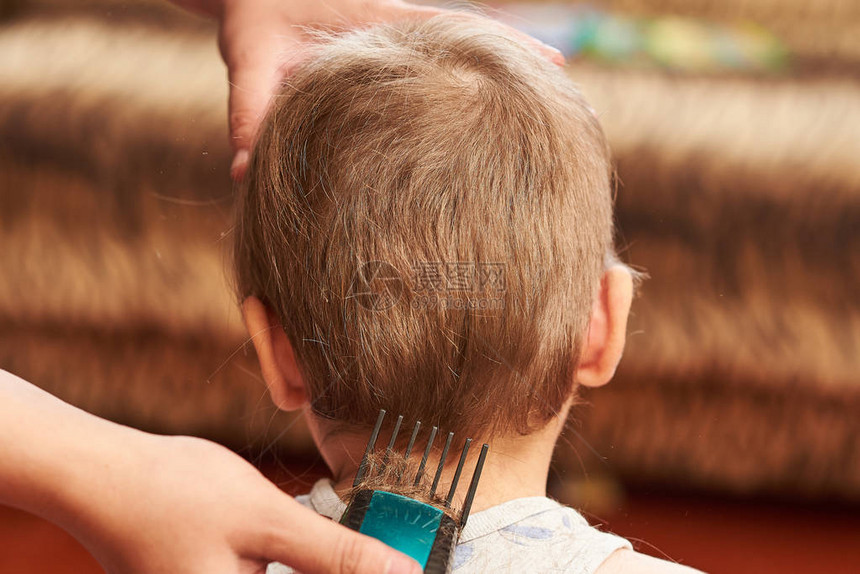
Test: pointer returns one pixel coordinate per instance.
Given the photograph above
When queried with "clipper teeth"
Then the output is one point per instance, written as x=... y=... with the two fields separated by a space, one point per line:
x=391 y=442
x=441 y=464
x=420 y=474
x=476 y=475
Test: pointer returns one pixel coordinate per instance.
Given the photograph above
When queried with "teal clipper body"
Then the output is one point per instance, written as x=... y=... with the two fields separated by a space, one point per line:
x=423 y=531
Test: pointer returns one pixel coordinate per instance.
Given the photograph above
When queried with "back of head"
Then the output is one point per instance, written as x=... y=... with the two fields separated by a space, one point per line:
x=455 y=171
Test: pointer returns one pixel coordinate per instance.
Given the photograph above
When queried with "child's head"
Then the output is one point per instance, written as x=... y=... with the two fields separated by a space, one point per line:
x=428 y=215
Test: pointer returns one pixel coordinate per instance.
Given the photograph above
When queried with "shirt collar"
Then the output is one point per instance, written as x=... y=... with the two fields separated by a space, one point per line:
x=325 y=501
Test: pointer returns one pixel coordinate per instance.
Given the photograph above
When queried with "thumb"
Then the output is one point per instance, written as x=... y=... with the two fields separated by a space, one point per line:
x=255 y=48
x=252 y=82
x=313 y=544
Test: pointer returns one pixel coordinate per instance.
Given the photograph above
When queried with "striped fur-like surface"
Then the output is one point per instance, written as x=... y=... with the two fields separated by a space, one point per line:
x=820 y=34
x=195 y=385
x=739 y=197
x=742 y=201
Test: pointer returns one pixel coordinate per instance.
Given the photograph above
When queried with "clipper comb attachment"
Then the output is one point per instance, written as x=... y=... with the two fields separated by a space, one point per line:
x=426 y=532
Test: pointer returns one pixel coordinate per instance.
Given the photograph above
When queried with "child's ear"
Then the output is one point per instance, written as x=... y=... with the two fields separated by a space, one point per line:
x=277 y=360
x=607 y=328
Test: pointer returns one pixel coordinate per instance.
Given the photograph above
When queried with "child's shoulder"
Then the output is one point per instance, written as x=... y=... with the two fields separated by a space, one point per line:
x=627 y=561
x=542 y=535
x=535 y=534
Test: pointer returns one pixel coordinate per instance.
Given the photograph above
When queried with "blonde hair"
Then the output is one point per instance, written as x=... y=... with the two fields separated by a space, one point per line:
x=438 y=143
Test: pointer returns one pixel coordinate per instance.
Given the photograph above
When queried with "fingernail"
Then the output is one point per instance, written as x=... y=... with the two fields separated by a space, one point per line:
x=401 y=564
x=240 y=162
x=551 y=53
x=555 y=55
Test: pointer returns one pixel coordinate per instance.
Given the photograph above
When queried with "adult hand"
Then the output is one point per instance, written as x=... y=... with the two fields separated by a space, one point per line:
x=262 y=40
x=147 y=504
x=190 y=505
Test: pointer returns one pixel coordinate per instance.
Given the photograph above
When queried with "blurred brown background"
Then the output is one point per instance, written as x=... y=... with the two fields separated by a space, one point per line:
x=730 y=439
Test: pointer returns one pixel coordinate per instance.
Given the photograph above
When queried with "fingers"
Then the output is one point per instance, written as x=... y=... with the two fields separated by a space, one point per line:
x=255 y=73
x=550 y=53
x=253 y=78
x=255 y=45
x=260 y=47
x=315 y=545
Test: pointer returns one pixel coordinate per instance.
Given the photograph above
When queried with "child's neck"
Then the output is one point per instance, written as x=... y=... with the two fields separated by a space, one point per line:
x=516 y=467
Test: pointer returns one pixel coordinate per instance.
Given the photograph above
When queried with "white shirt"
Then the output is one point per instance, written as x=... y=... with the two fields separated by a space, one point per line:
x=535 y=534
